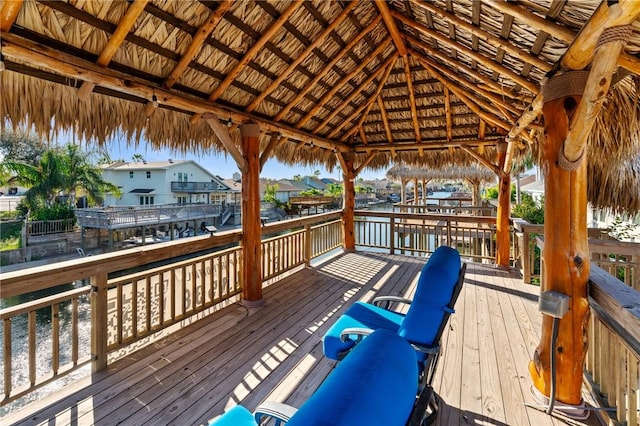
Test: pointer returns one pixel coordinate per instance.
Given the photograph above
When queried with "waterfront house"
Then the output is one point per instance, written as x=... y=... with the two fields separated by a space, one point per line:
x=164 y=182
x=359 y=84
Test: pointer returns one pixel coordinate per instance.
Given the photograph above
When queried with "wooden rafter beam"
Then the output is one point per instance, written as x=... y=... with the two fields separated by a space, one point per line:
x=471 y=101
x=576 y=56
x=355 y=93
x=124 y=26
x=604 y=63
x=445 y=59
x=362 y=110
x=223 y=135
x=447 y=110
x=482 y=128
x=366 y=162
x=490 y=39
x=363 y=135
x=487 y=62
x=340 y=83
x=495 y=99
x=254 y=50
x=558 y=31
x=74 y=69
x=9 y=13
x=275 y=141
x=320 y=75
x=431 y=145
x=385 y=119
x=482 y=159
x=197 y=41
x=389 y=22
x=302 y=56
x=412 y=98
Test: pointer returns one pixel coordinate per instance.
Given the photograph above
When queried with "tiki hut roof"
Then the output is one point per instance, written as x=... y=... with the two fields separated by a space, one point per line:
x=472 y=173
x=423 y=83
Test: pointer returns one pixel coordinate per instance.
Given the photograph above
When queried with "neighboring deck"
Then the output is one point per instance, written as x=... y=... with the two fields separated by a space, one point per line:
x=275 y=354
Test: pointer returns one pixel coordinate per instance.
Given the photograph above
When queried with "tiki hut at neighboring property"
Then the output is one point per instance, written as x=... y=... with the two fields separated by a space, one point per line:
x=474 y=174
x=360 y=84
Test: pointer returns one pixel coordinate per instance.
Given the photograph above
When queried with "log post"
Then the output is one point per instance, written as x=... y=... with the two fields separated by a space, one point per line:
x=415 y=192
x=503 y=242
x=349 y=200
x=566 y=251
x=251 y=233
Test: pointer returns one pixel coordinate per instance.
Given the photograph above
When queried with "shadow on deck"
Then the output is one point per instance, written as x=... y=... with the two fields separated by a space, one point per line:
x=231 y=357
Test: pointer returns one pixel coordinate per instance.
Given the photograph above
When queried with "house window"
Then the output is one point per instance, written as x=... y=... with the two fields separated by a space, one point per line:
x=182 y=200
x=130 y=175
x=182 y=177
x=146 y=200
x=148 y=174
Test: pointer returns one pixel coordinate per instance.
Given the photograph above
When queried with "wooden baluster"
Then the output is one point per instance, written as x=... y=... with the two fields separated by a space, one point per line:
x=99 y=321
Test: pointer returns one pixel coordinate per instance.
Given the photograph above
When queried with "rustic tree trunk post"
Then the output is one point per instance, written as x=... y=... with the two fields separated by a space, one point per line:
x=251 y=232
x=566 y=250
x=415 y=192
x=349 y=201
x=503 y=243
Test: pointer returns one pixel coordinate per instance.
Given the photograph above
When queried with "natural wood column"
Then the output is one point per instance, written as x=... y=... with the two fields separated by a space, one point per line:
x=349 y=200
x=503 y=242
x=251 y=235
x=565 y=253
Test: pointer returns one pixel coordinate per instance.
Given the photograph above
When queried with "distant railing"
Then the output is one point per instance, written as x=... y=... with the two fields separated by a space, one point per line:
x=131 y=216
x=177 y=186
x=419 y=234
x=47 y=227
x=160 y=289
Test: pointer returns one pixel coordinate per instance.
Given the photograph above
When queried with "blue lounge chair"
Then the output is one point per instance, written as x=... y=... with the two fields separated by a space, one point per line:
x=438 y=288
x=376 y=384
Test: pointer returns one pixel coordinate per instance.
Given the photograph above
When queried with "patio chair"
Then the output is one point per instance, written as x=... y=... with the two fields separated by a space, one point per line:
x=436 y=293
x=376 y=384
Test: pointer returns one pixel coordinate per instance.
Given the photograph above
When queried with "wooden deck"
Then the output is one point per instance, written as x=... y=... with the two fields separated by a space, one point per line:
x=232 y=357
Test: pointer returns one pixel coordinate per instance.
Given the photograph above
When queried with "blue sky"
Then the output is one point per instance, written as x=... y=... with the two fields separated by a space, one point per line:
x=223 y=165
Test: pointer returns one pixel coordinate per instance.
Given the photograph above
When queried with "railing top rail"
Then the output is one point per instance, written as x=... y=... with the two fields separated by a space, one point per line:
x=429 y=216
x=43 y=302
x=620 y=305
x=45 y=276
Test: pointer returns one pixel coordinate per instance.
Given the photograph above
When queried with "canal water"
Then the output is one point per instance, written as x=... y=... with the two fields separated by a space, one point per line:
x=19 y=331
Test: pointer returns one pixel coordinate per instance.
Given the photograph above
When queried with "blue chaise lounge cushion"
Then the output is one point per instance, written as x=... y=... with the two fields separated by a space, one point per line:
x=421 y=324
x=375 y=384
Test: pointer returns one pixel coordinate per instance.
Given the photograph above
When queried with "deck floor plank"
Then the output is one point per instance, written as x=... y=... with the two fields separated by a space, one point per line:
x=231 y=357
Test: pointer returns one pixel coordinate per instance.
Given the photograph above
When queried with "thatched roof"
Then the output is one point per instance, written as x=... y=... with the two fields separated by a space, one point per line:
x=400 y=81
x=472 y=173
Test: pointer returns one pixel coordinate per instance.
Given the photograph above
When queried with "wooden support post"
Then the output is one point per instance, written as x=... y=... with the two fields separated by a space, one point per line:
x=503 y=241
x=566 y=253
x=251 y=232
x=99 y=322
x=349 y=200
x=415 y=192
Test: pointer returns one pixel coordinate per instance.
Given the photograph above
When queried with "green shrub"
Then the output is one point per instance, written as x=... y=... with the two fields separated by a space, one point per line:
x=529 y=209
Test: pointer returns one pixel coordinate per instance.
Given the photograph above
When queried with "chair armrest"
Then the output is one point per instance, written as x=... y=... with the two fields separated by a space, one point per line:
x=387 y=300
x=426 y=349
x=360 y=333
x=276 y=410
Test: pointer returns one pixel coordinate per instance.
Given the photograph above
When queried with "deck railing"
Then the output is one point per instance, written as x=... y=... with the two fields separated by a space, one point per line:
x=47 y=227
x=122 y=299
x=419 y=234
x=614 y=346
x=613 y=353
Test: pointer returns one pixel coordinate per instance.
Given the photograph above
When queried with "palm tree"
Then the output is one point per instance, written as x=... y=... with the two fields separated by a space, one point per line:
x=79 y=173
x=44 y=180
x=334 y=189
x=137 y=158
x=60 y=170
